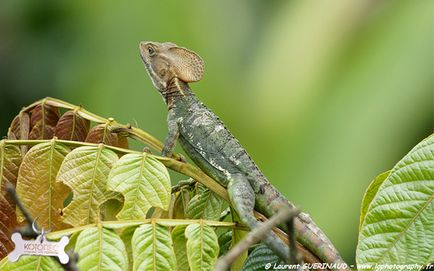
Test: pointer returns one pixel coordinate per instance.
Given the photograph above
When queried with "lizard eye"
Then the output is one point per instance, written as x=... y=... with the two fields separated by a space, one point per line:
x=151 y=51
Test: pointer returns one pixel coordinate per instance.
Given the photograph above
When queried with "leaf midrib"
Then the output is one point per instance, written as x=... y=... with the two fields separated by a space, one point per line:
x=98 y=155
x=50 y=172
x=406 y=228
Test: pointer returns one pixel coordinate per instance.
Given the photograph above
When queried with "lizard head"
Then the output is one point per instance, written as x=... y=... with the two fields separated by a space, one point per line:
x=167 y=62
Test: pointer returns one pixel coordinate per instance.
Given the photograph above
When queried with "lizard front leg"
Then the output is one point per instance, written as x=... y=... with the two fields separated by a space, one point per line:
x=172 y=135
x=242 y=198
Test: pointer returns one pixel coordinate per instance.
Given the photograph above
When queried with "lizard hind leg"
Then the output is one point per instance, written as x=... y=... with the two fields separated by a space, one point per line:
x=242 y=198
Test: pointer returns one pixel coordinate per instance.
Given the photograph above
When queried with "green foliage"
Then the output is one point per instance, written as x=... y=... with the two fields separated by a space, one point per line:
x=152 y=248
x=202 y=246
x=101 y=249
x=204 y=204
x=40 y=193
x=180 y=247
x=398 y=226
x=98 y=175
x=311 y=82
x=396 y=214
x=182 y=198
x=225 y=242
x=85 y=172
x=34 y=263
x=370 y=193
x=126 y=236
x=237 y=236
x=144 y=182
x=260 y=258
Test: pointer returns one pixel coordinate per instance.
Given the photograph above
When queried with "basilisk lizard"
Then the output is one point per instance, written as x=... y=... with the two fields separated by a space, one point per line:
x=216 y=151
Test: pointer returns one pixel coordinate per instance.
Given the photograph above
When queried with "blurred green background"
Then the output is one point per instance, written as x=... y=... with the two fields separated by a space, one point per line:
x=323 y=94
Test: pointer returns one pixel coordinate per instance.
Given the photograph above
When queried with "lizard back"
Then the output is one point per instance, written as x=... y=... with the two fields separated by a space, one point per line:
x=209 y=143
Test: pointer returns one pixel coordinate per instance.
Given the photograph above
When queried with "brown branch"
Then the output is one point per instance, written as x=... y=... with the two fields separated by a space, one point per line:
x=294 y=255
x=307 y=255
x=254 y=237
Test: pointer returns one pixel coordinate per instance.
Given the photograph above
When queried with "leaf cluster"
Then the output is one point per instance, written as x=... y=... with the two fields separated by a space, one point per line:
x=74 y=172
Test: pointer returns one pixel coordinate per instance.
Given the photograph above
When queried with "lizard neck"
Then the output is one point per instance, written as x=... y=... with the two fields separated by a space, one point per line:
x=176 y=92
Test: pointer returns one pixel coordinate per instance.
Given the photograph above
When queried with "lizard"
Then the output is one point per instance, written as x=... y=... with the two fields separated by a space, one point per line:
x=212 y=147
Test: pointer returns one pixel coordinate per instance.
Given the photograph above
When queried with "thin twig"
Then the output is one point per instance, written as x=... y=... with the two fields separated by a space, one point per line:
x=28 y=230
x=294 y=255
x=254 y=237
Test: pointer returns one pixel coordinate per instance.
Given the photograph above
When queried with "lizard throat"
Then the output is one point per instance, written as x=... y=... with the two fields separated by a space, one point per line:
x=175 y=89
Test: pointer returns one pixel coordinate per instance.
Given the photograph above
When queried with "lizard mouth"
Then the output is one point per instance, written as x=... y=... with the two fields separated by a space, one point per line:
x=158 y=84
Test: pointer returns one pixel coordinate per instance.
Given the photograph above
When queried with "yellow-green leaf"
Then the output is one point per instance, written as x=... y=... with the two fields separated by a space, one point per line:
x=202 y=247
x=205 y=204
x=182 y=198
x=398 y=226
x=180 y=247
x=152 y=248
x=10 y=160
x=370 y=194
x=31 y=263
x=85 y=171
x=37 y=188
x=126 y=236
x=144 y=182
x=101 y=249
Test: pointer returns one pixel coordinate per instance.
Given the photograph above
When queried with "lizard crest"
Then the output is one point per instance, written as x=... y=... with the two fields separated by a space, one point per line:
x=167 y=62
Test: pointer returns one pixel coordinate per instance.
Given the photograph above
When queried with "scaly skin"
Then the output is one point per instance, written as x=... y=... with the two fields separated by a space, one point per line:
x=217 y=152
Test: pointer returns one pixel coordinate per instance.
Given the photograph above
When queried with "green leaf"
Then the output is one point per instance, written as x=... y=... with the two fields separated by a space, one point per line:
x=261 y=258
x=202 y=247
x=225 y=242
x=37 y=188
x=33 y=263
x=180 y=247
x=205 y=204
x=152 y=248
x=399 y=225
x=10 y=160
x=237 y=236
x=72 y=241
x=101 y=249
x=370 y=194
x=85 y=171
x=111 y=208
x=126 y=236
x=182 y=198
x=144 y=182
